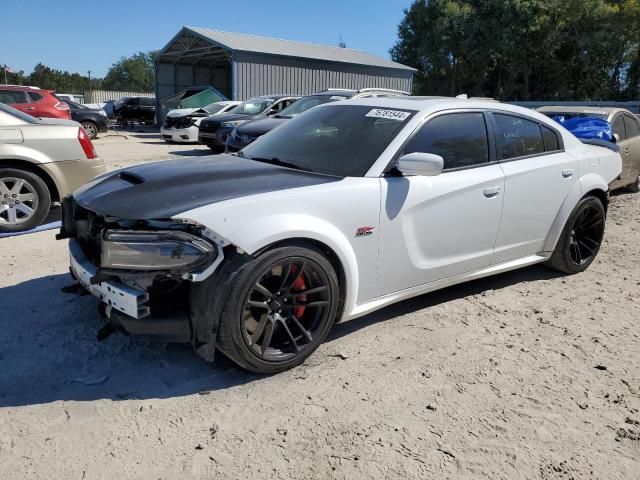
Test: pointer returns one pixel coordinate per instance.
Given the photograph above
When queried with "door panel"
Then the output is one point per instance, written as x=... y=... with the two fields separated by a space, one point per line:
x=535 y=189
x=437 y=227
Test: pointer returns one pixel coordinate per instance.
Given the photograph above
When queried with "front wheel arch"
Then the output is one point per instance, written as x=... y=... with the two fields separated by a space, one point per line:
x=327 y=252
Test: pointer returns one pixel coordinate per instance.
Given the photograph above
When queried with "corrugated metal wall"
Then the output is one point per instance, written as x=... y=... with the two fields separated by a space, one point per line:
x=265 y=74
x=101 y=96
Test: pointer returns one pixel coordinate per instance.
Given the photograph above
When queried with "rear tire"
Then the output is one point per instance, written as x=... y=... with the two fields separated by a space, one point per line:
x=280 y=308
x=581 y=237
x=25 y=200
x=91 y=129
x=635 y=186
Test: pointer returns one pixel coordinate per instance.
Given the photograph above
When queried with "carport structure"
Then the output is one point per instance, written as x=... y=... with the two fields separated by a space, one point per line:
x=241 y=66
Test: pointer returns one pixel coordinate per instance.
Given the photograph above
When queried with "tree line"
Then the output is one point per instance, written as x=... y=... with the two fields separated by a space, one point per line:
x=523 y=49
x=134 y=73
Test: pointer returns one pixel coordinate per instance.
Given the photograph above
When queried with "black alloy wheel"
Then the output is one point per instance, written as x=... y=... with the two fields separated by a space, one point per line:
x=286 y=309
x=586 y=235
x=280 y=307
x=581 y=238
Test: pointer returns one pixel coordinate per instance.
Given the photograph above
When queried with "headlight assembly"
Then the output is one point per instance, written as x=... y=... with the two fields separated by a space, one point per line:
x=154 y=250
x=233 y=123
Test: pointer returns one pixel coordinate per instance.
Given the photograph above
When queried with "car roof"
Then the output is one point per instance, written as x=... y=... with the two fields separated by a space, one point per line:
x=23 y=87
x=274 y=97
x=581 y=109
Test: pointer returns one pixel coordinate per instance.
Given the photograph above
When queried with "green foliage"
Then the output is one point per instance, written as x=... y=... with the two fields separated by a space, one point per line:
x=52 y=79
x=523 y=49
x=135 y=73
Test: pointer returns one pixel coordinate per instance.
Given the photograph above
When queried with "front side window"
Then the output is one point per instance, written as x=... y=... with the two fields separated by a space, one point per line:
x=618 y=128
x=631 y=127
x=517 y=137
x=13 y=96
x=341 y=140
x=459 y=138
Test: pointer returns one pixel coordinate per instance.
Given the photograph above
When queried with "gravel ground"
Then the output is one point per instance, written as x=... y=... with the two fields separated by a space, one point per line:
x=526 y=375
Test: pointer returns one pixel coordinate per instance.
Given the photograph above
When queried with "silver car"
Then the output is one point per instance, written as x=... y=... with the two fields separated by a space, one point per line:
x=626 y=133
x=41 y=161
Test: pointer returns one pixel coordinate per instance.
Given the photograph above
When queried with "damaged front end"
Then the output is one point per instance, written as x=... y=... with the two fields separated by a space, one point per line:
x=143 y=271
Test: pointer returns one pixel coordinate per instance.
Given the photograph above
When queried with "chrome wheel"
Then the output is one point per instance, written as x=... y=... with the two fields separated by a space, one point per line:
x=18 y=201
x=286 y=309
x=586 y=235
x=91 y=129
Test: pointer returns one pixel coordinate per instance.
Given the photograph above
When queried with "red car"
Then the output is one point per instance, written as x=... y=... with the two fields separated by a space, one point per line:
x=34 y=101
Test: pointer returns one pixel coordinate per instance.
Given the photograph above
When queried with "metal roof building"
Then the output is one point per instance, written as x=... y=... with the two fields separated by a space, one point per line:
x=241 y=66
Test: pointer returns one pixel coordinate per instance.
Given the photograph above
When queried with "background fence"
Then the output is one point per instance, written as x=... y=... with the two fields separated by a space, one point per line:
x=101 y=96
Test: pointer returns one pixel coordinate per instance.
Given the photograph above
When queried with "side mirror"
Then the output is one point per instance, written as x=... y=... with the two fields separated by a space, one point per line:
x=616 y=138
x=418 y=163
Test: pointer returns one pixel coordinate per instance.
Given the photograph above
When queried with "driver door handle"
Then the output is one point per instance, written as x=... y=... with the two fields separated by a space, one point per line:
x=567 y=173
x=491 y=192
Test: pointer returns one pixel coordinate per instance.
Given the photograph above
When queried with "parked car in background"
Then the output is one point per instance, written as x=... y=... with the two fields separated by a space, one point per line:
x=93 y=121
x=337 y=213
x=41 y=161
x=181 y=124
x=626 y=134
x=213 y=131
x=246 y=133
x=135 y=109
x=34 y=101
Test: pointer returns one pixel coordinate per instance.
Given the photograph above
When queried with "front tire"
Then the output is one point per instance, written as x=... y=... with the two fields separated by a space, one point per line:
x=280 y=308
x=24 y=200
x=581 y=237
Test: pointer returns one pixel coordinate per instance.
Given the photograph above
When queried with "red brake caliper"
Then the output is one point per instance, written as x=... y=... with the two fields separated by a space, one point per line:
x=301 y=286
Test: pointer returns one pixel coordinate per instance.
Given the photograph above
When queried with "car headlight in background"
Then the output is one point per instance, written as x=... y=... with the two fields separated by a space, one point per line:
x=154 y=250
x=103 y=113
x=233 y=123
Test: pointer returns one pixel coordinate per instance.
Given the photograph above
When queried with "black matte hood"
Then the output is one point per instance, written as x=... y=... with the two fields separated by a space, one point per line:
x=163 y=189
x=261 y=126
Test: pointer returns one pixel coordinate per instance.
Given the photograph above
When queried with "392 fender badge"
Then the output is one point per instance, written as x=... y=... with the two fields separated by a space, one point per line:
x=364 y=231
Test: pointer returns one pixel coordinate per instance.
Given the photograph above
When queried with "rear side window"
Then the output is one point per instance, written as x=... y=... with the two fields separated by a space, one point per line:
x=13 y=96
x=631 y=126
x=133 y=102
x=459 y=138
x=147 y=102
x=35 y=97
x=550 y=139
x=517 y=137
x=618 y=127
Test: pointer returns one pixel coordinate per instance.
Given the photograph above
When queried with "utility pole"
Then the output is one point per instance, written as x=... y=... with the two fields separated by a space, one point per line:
x=90 y=96
x=4 y=67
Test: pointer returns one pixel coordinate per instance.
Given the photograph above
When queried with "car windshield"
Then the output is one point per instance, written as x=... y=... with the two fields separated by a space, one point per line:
x=253 y=106
x=341 y=140
x=570 y=115
x=214 y=107
x=306 y=103
x=11 y=116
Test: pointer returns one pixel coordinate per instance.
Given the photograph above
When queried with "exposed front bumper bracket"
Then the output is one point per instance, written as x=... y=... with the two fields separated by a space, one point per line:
x=128 y=300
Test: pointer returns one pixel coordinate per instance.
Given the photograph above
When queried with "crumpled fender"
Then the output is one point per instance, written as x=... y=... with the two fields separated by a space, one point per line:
x=253 y=236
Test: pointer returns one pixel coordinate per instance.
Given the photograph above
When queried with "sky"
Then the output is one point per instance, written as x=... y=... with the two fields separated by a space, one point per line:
x=81 y=36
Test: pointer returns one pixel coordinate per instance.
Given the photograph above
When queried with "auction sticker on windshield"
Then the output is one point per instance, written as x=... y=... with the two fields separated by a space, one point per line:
x=388 y=114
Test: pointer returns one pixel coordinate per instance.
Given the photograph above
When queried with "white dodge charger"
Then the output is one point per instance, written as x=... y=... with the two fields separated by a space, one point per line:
x=341 y=211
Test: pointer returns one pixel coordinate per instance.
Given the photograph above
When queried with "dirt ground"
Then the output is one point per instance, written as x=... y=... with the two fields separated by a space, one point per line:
x=526 y=375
